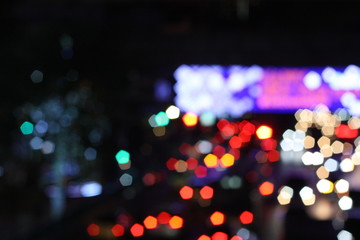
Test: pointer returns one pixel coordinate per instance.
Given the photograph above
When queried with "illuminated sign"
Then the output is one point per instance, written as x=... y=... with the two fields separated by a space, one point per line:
x=235 y=90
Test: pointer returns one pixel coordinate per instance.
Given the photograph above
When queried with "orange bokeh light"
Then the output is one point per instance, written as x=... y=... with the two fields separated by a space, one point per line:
x=217 y=218
x=204 y=237
x=137 y=230
x=176 y=222
x=266 y=188
x=150 y=222
x=207 y=192
x=186 y=192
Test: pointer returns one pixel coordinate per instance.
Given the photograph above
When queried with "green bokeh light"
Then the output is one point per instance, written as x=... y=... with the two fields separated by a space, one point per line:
x=207 y=119
x=122 y=157
x=27 y=128
x=162 y=119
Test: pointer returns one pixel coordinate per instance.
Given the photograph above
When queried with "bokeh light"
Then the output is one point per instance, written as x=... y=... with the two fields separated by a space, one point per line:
x=137 y=230
x=207 y=192
x=162 y=119
x=172 y=112
x=27 y=128
x=227 y=160
x=264 y=132
x=211 y=161
x=176 y=222
x=122 y=157
x=204 y=237
x=118 y=230
x=345 y=203
x=217 y=218
x=219 y=236
x=186 y=192
x=246 y=217
x=163 y=217
x=190 y=119
x=150 y=222
x=93 y=230
x=266 y=188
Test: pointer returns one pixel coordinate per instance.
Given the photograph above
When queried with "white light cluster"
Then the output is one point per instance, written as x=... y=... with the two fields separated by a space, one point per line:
x=351 y=102
x=347 y=80
x=309 y=158
x=293 y=140
x=205 y=88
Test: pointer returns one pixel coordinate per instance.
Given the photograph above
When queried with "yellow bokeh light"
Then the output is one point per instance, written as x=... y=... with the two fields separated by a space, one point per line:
x=190 y=119
x=264 y=132
x=217 y=218
x=211 y=161
x=227 y=160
